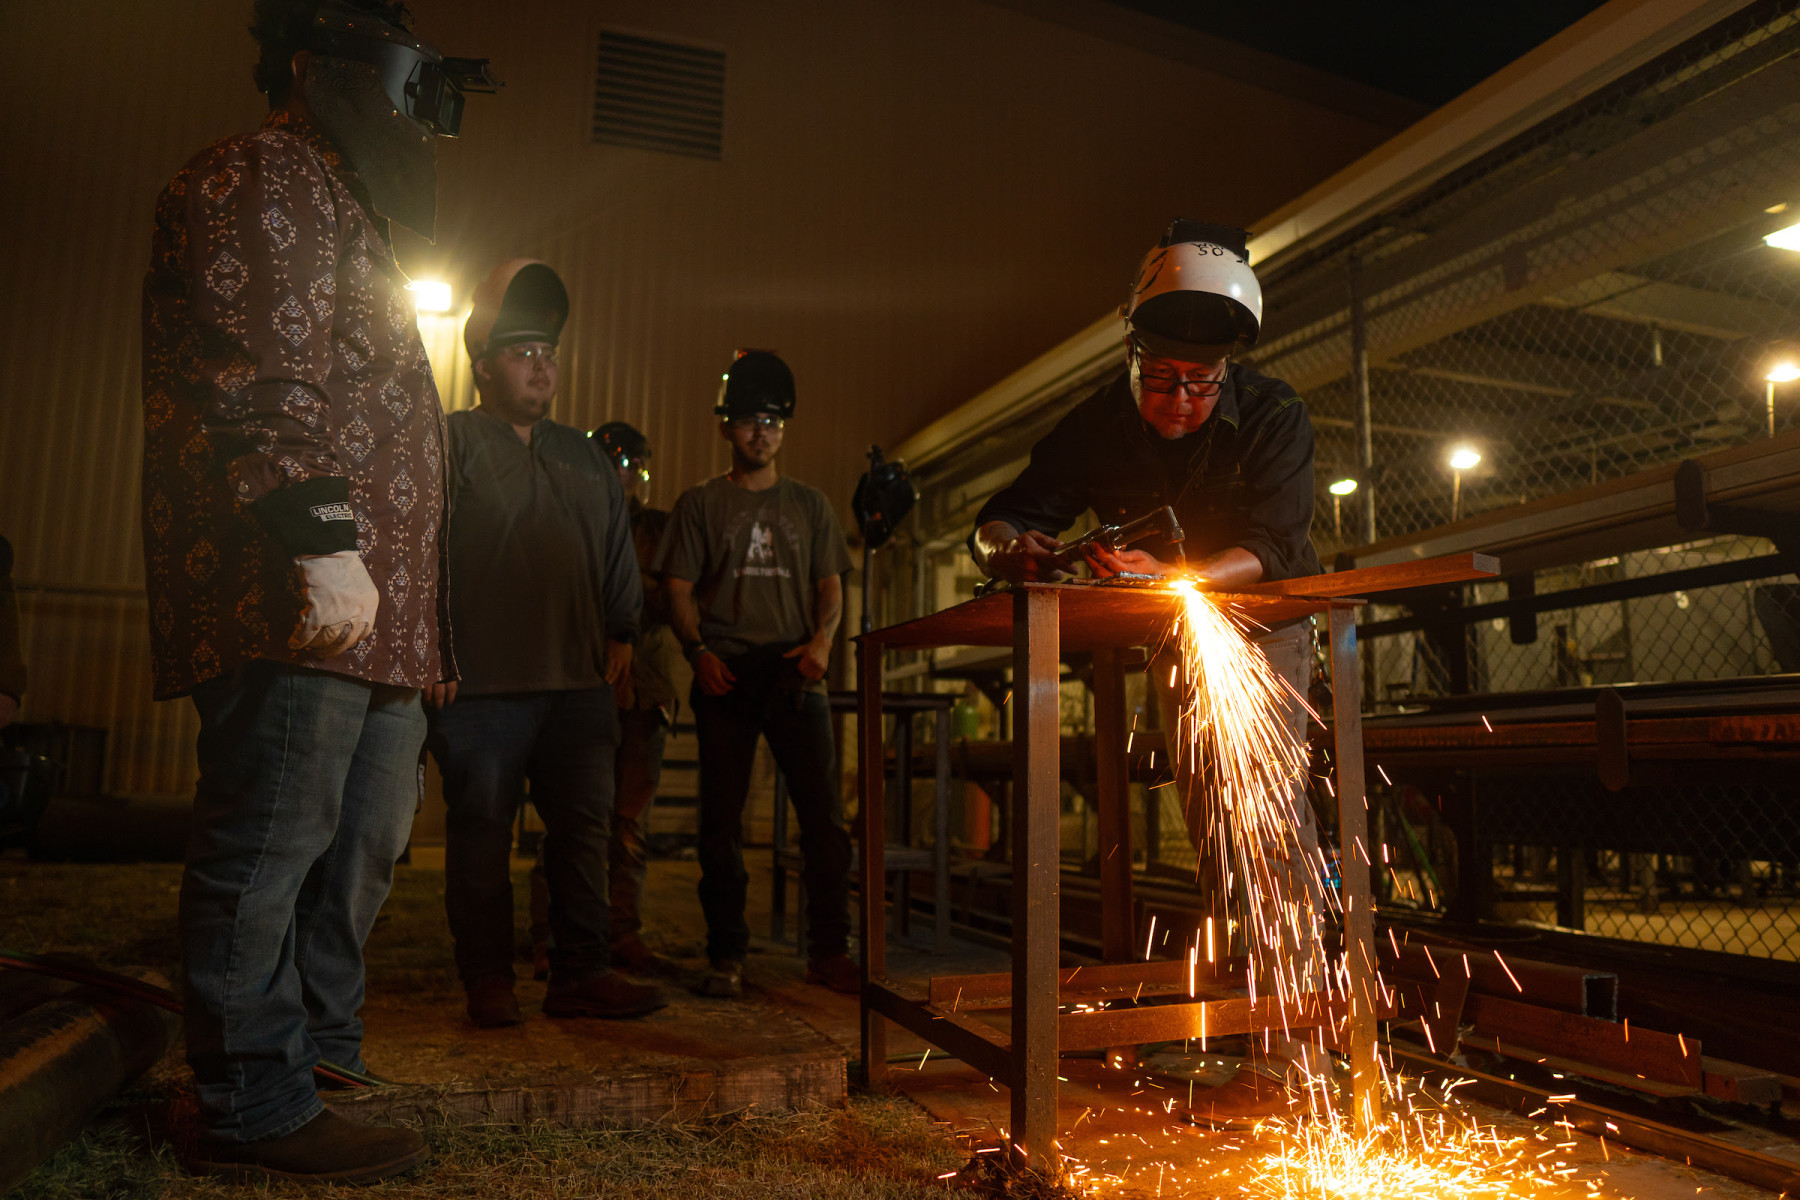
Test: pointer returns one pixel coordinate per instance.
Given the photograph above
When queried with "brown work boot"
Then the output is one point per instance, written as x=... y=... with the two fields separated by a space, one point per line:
x=1248 y=1098
x=327 y=1149
x=602 y=994
x=724 y=980
x=838 y=972
x=492 y=1004
x=631 y=953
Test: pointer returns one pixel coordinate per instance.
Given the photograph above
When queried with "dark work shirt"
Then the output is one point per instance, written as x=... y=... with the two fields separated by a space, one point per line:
x=280 y=346
x=543 y=571
x=754 y=559
x=1243 y=479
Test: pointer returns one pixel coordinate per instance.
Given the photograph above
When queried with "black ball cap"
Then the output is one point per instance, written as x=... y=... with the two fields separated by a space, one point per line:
x=757 y=381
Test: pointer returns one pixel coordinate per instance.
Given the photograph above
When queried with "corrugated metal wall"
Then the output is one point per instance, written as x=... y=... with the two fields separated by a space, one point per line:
x=915 y=195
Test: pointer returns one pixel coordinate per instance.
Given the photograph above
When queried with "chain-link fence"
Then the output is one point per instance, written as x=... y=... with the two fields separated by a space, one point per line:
x=1592 y=299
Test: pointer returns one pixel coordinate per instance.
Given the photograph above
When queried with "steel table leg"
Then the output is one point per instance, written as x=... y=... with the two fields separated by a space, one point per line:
x=1354 y=861
x=871 y=823
x=940 y=847
x=1037 y=750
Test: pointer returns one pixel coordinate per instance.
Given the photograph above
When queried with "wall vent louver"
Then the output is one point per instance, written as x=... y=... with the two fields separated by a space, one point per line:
x=656 y=95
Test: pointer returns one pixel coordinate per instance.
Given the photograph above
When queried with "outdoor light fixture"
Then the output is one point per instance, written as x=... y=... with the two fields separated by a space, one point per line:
x=1784 y=239
x=1462 y=458
x=1339 y=489
x=1782 y=370
x=430 y=295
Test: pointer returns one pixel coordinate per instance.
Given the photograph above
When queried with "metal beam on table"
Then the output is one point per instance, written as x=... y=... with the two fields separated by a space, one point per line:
x=1221 y=1016
x=1037 y=866
x=957 y=1034
x=1093 y=982
x=1353 y=869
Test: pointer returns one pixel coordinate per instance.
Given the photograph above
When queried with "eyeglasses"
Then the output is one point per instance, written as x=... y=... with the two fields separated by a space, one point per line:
x=532 y=354
x=1164 y=382
x=759 y=421
x=640 y=467
x=1196 y=389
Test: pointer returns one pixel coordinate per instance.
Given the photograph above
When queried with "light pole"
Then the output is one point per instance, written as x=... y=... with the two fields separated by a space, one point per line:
x=1785 y=371
x=1339 y=490
x=1462 y=458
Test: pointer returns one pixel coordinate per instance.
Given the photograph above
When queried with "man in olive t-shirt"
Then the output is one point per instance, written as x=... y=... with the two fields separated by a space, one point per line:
x=754 y=565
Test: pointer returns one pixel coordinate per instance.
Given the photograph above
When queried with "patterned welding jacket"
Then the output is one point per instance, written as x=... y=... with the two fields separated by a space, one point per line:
x=280 y=346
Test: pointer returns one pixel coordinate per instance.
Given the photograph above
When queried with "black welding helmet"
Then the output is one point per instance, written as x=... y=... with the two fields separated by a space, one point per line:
x=627 y=449
x=1195 y=296
x=883 y=497
x=756 y=382
x=421 y=83
x=521 y=300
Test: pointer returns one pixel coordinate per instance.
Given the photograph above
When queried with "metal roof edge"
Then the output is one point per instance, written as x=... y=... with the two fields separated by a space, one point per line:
x=1603 y=46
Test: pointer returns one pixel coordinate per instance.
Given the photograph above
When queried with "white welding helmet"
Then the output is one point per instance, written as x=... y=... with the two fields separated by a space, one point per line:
x=1195 y=296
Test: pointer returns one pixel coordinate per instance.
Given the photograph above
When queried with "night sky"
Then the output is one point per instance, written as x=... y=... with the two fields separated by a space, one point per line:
x=1426 y=50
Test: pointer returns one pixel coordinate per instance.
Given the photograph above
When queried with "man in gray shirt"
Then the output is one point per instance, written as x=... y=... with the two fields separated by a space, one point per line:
x=545 y=600
x=754 y=565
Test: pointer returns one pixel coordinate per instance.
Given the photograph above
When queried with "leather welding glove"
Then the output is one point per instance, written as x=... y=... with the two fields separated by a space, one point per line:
x=340 y=603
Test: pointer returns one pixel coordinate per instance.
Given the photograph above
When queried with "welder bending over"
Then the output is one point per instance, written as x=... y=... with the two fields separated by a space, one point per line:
x=1231 y=451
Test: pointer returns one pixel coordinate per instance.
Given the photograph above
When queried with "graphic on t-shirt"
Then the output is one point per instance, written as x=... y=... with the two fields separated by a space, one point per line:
x=759 y=555
x=762 y=544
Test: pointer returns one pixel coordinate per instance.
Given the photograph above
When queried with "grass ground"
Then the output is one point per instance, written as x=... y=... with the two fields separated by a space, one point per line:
x=124 y=915
x=876 y=1149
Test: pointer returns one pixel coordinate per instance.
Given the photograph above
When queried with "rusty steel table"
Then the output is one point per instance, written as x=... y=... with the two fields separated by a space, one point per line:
x=1040 y=622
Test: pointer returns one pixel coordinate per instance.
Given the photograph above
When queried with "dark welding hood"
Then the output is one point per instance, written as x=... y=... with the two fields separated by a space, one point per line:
x=521 y=300
x=756 y=382
x=421 y=82
x=883 y=497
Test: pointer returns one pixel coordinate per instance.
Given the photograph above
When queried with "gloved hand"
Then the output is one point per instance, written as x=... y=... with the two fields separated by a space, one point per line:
x=340 y=603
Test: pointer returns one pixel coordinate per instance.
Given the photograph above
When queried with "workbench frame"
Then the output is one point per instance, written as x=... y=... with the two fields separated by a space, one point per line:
x=1108 y=621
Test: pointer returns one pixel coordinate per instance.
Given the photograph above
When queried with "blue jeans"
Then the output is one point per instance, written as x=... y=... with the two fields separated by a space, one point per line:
x=308 y=784
x=487 y=747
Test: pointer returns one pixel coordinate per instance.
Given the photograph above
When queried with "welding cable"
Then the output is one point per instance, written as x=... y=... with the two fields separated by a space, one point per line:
x=160 y=997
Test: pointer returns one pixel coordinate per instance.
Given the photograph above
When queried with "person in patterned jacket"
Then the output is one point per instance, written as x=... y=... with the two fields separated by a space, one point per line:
x=293 y=523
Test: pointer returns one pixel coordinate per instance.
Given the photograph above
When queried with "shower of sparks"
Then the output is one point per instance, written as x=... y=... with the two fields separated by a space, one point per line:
x=1243 y=760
